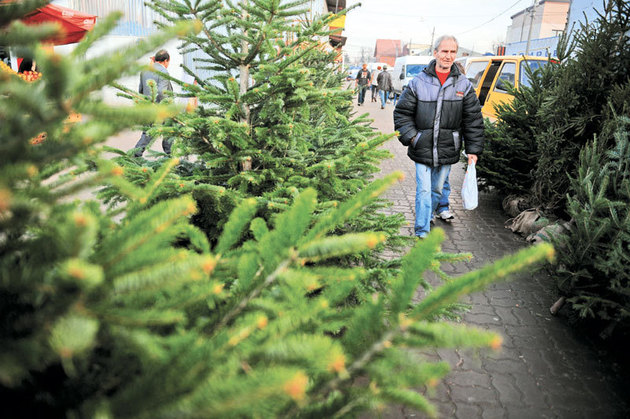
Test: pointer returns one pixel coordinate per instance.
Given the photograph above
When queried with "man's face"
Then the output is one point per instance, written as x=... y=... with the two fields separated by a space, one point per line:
x=445 y=55
x=364 y=66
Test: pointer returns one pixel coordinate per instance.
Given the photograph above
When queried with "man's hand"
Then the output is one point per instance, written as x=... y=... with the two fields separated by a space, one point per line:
x=472 y=158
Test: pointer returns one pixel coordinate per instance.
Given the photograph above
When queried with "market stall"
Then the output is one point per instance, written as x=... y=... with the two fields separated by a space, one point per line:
x=74 y=26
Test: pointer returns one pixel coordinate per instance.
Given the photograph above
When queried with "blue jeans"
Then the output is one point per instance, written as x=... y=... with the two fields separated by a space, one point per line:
x=429 y=183
x=446 y=192
x=396 y=97
x=384 y=96
x=362 y=90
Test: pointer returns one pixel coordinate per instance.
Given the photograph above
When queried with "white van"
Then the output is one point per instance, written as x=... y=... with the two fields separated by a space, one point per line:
x=406 y=68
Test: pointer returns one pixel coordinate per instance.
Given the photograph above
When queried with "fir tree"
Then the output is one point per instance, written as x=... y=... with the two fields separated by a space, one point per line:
x=270 y=122
x=272 y=116
x=573 y=111
x=511 y=151
x=593 y=259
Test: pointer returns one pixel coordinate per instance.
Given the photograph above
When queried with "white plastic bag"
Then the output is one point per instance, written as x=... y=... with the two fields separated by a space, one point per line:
x=469 y=188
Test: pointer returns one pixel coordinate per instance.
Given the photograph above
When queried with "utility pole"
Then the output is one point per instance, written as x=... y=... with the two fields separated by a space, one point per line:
x=531 y=24
x=432 y=36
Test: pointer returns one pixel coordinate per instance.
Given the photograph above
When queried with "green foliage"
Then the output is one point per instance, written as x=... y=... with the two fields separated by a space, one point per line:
x=594 y=267
x=272 y=116
x=575 y=107
x=511 y=151
x=541 y=147
x=132 y=312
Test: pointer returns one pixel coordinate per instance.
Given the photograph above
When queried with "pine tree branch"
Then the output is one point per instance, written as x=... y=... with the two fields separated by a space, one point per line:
x=255 y=292
x=219 y=47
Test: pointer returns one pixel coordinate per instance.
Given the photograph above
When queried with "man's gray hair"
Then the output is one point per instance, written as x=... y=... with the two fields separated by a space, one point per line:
x=444 y=38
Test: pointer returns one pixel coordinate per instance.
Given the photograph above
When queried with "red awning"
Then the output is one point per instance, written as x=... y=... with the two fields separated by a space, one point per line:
x=75 y=24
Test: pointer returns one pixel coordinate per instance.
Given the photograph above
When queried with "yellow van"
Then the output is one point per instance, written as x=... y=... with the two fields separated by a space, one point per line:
x=489 y=75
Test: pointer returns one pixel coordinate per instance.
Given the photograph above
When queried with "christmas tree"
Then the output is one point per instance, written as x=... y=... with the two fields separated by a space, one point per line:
x=511 y=150
x=272 y=119
x=574 y=109
x=272 y=116
x=593 y=259
x=133 y=312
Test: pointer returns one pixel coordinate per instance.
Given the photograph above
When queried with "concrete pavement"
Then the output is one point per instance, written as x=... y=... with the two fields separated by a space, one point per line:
x=545 y=368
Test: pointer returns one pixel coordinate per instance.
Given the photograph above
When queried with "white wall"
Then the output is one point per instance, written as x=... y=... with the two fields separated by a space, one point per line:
x=542 y=47
x=113 y=43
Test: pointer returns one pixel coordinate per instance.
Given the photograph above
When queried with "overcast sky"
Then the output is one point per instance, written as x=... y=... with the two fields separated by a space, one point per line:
x=477 y=24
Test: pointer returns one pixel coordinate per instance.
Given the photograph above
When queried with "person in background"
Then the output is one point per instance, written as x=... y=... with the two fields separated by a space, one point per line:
x=384 y=85
x=435 y=113
x=395 y=98
x=27 y=64
x=160 y=64
x=375 y=74
x=362 y=81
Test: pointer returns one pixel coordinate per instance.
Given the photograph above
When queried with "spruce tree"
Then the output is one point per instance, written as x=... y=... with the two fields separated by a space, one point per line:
x=511 y=152
x=272 y=115
x=594 y=266
x=270 y=122
x=574 y=109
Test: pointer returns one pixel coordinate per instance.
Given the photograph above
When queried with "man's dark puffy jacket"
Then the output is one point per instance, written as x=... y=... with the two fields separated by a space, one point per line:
x=432 y=119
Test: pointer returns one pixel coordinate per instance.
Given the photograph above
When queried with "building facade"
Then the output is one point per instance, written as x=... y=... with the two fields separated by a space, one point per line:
x=536 y=29
x=415 y=49
x=387 y=50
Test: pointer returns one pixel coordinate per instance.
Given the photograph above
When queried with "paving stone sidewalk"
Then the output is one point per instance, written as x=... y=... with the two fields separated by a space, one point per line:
x=545 y=369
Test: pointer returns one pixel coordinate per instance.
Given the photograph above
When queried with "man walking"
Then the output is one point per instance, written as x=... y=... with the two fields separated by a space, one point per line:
x=438 y=109
x=384 y=85
x=362 y=82
x=161 y=61
x=375 y=74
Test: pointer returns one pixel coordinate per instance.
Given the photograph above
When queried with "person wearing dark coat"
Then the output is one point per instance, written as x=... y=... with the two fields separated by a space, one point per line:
x=384 y=81
x=362 y=81
x=161 y=61
x=27 y=65
x=435 y=112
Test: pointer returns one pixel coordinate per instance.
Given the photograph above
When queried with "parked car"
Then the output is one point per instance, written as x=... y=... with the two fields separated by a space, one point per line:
x=490 y=76
x=406 y=68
